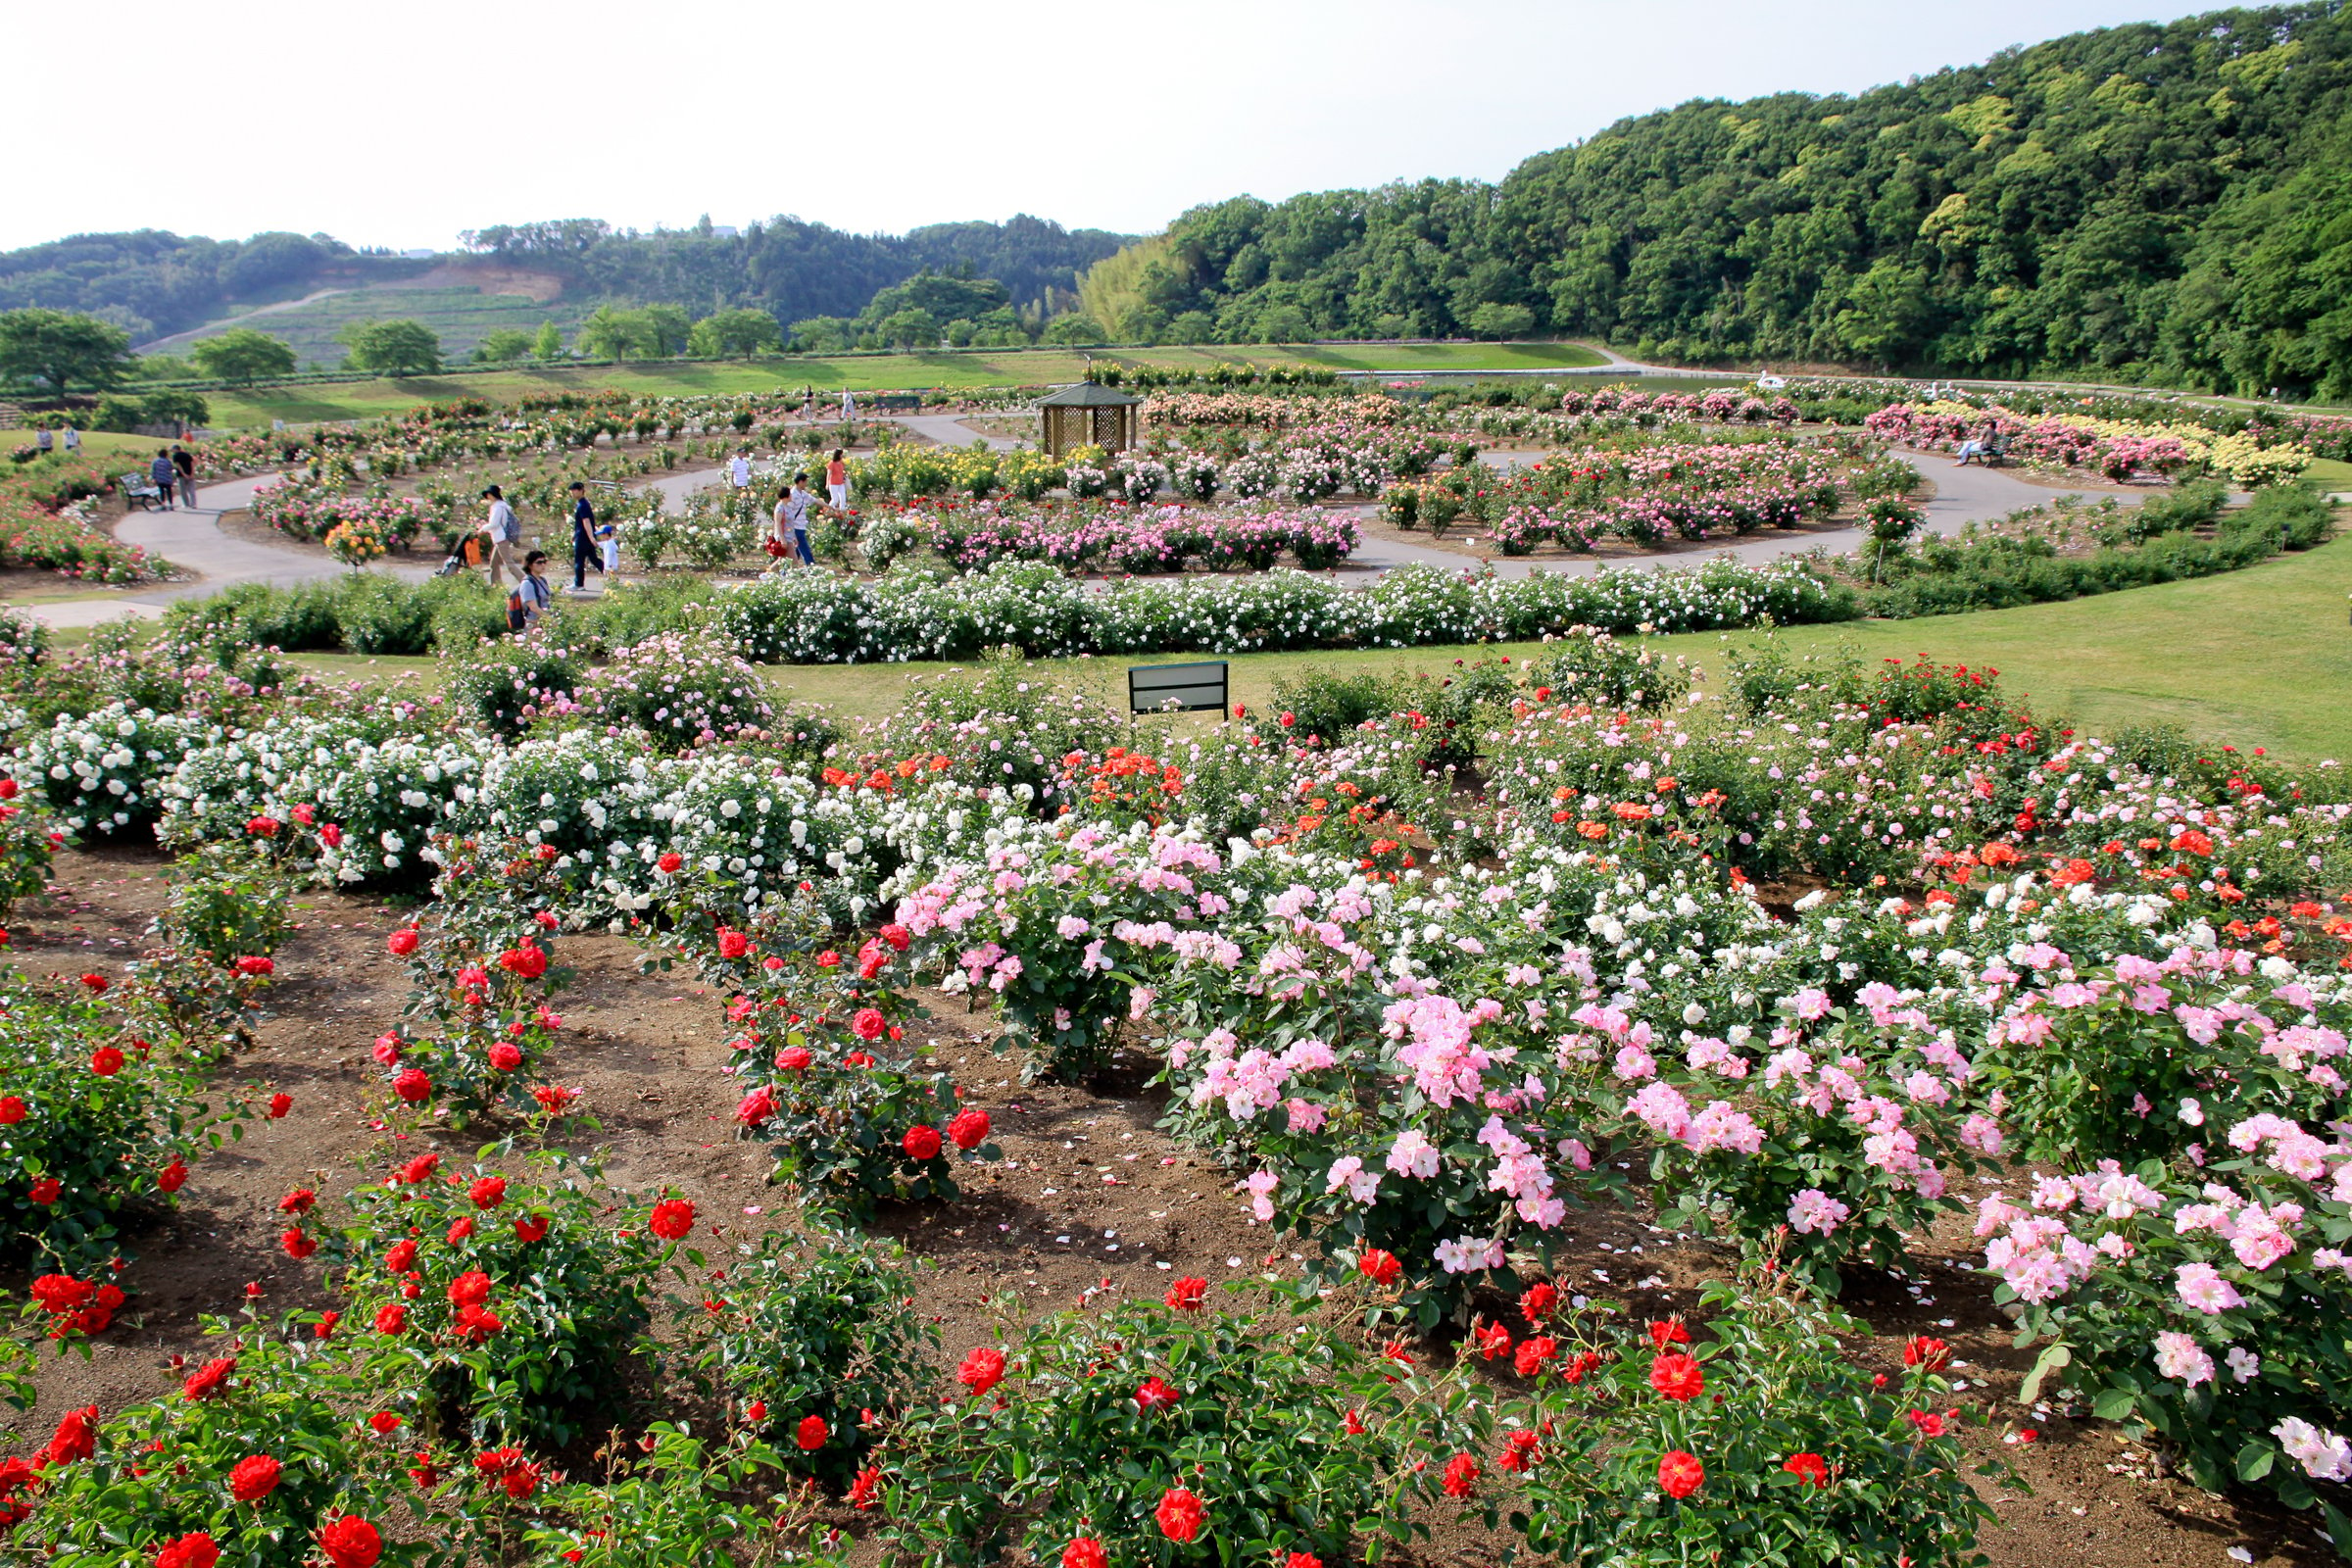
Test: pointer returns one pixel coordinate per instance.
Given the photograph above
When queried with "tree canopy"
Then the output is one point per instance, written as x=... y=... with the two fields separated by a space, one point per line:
x=392 y=348
x=242 y=354
x=54 y=351
x=2167 y=202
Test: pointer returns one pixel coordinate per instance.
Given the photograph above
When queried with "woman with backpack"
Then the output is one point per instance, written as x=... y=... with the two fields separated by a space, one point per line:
x=531 y=595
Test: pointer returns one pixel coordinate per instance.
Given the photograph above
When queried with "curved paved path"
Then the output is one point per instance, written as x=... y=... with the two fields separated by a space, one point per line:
x=192 y=538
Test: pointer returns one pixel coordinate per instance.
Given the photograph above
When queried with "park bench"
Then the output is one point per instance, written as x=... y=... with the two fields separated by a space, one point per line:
x=1996 y=452
x=898 y=403
x=139 y=491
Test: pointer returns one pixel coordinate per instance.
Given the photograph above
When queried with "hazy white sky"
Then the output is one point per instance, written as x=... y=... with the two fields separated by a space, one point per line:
x=401 y=124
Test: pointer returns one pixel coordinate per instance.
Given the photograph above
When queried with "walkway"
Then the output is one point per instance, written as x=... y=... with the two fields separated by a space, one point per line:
x=193 y=540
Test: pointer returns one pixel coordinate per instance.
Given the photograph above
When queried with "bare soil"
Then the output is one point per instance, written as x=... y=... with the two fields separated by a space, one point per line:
x=1091 y=1195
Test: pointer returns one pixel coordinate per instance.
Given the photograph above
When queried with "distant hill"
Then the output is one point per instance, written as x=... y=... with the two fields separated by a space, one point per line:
x=163 y=286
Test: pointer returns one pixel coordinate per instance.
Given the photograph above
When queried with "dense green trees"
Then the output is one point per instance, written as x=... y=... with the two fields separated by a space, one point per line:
x=391 y=347
x=52 y=351
x=242 y=354
x=2171 y=203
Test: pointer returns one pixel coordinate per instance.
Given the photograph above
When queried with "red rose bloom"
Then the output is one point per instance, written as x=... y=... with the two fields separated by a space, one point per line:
x=1188 y=1295
x=898 y=936
x=256 y=967
x=1180 y=1515
x=488 y=1193
x=47 y=1191
x=324 y=1328
x=254 y=1478
x=811 y=1433
x=1534 y=1351
x=469 y=1289
x=1929 y=1424
x=869 y=1024
x=1931 y=1353
x=279 y=1104
x=792 y=1058
x=1493 y=1339
x=1811 y=1468
x=1679 y=1473
x=172 y=1177
x=756 y=1106
x=553 y=1098
x=920 y=1143
x=332 y=836
x=529 y=962
x=95 y=984
x=106 y=1061
x=190 y=1552
x=969 y=1129
x=1461 y=1476
x=866 y=1488
x=418 y=1170
x=1380 y=1267
x=301 y=1200
x=350 y=1541
x=506 y=1055
x=531 y=1229
x=1084 y=1552
x=733 y=944
x=412 y=1085
x=982 y=1370
x=75 y=1438
x=383 y=1423
x=1539 y=1302
x=1154 y=1394
x=1670 y=1332
x=1677 y=1376
x=298 y=1244
x=211 y=1380
x=1519 y=1452
x=11 y=1110
x=401 y=1256
x=670 y=861
x=477 y=1323
x=402 y=942
x=672 y=1219
x=460 y=1229
x=391 y=1318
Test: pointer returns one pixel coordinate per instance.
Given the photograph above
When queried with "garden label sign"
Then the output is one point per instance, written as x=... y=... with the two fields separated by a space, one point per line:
x=1192 y=688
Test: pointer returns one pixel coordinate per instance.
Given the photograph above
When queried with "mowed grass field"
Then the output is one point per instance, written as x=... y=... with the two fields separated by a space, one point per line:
x=2255 y=658
x=960 y=369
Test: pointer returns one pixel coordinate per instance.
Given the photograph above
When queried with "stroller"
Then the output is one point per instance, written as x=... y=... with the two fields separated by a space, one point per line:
x=468 y=554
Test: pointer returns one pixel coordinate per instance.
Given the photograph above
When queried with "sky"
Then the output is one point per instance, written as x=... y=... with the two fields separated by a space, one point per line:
x=402 y=124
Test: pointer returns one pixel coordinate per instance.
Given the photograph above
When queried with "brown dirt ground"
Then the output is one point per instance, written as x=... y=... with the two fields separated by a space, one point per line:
x=1091 y=1191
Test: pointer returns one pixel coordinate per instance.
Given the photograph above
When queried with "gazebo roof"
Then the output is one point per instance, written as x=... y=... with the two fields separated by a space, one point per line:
x=1088 y=395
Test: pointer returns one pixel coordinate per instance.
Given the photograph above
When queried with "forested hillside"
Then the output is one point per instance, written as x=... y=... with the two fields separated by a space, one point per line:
x=2170 y=202
x=155 y=283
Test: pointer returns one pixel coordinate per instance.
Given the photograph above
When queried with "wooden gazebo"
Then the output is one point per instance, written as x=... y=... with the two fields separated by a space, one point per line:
x=1089 y=414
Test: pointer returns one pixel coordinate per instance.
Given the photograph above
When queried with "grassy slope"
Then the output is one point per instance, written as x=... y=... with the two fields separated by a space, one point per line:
x=958 y=369
x=460 y=317
x=2258 y=657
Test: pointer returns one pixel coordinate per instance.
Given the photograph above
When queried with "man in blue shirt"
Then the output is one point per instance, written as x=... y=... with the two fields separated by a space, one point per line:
x=584 y=551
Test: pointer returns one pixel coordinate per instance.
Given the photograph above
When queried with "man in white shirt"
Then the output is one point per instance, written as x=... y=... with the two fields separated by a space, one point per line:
x=739 y=470
x=849 y=406
x=502 y=532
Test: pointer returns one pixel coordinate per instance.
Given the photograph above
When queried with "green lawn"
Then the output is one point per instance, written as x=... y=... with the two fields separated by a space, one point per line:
x=99 y=446
x=2257 y=658
x=955 y=369
x=2333 y=472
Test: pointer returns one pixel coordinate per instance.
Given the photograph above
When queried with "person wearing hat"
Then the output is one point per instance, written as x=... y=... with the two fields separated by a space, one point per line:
x=500 y=532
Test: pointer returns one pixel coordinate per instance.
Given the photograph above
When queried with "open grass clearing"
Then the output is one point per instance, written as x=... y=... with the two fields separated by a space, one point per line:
x=951 y=370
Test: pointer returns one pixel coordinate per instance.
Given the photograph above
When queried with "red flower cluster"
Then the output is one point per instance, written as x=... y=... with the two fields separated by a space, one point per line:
x=982 y=1370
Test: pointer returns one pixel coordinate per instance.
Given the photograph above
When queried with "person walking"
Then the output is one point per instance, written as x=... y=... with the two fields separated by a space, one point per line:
x=43 y=441
x=739 y=469
x=531 y=595
x=837 y=482
x=73 y=442
x=809 y=404
x=849 y=406
x=584 y=552
x=792 y=521
x=500 y=532
x=165 y=476
x=188 y=477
